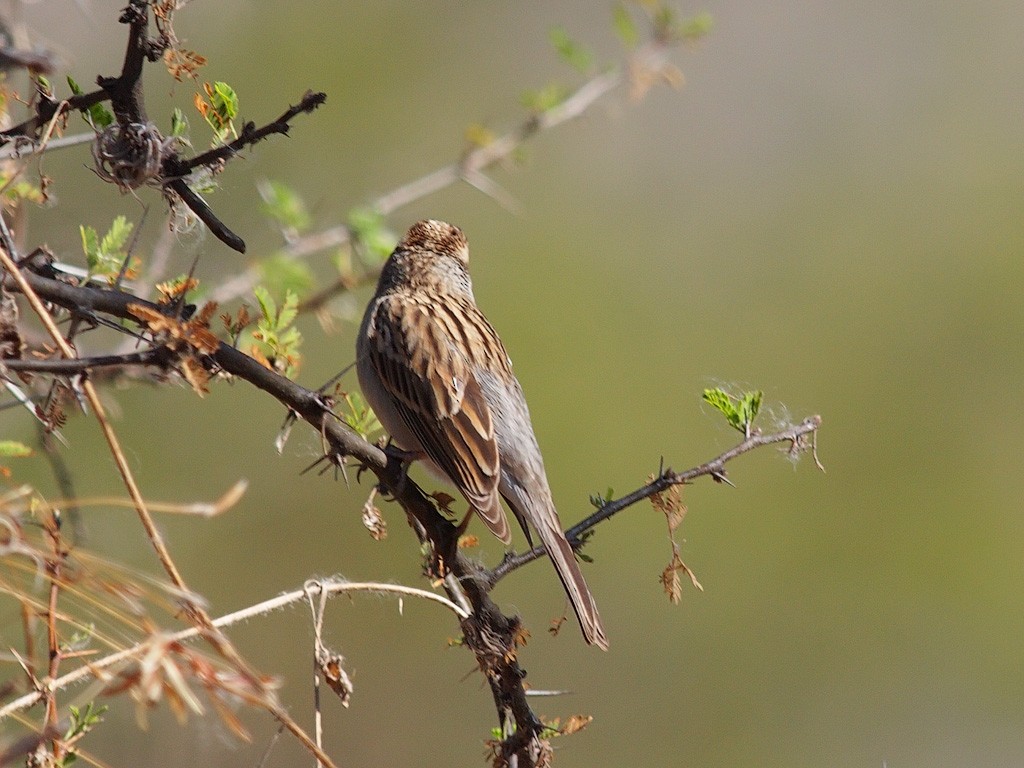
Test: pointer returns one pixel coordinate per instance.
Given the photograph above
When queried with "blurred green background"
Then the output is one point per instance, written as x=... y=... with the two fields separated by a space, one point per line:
x=830 y=211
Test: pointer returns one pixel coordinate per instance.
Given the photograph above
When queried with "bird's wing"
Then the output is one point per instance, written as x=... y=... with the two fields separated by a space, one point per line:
x=421 y=365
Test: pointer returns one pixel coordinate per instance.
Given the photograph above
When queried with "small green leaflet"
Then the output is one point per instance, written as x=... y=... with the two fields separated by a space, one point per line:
x=14 y=449
x=740 y=411
x=625 y=28
x=569 y=51
x=97 y=116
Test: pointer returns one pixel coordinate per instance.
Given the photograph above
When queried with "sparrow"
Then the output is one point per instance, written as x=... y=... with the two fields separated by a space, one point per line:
x=441 y=383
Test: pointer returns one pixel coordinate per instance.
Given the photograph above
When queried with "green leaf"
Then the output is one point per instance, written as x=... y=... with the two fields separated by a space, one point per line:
x=104 y=256
x=97 y=116
x=696 y=27
x=624 y=25
x=285 y=206
x=720 y=400
x=84 y=719
x=267 y=305
x=220 y=109
x=117 y=236
x=80 y=639
x=101 y=116
x=544 y=99
x=90 y=246
x=289 y=311
x=749 y=405
x=359 y=416
x=597 y=500
x=739 y=411
x=14 y=449
x=23 y=190
x=571 y=52
x=224 y=100
x=374 y=240
x=179 y=124
x=282 y=274
x=274 y=338
x=550 y=731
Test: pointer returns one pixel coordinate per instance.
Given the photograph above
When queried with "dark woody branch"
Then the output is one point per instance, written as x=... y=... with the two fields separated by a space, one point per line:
x=800 y=437
x=133 y=152
x=490 y=634
x=69 y=367
x=205 y=214
x=176 y=168
x=249 y=135
x=124 y=91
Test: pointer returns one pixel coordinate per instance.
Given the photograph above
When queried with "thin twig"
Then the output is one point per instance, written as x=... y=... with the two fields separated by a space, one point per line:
x=205 y=214
x=318 y=610
x=197 y=508
x=196 y=611
x=472 y=165
x=714 y=468
x=175 y=169
x=331 y=587
x=72 y=366
x=54 y=574
x=32 y=147
x=155 y=537
x=43 y=141
x=248 y=136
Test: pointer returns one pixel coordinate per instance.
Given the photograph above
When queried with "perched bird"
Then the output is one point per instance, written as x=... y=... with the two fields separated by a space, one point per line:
x=440 y=381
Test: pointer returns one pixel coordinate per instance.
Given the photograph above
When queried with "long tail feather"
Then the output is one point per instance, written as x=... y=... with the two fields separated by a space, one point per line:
x=568 y=569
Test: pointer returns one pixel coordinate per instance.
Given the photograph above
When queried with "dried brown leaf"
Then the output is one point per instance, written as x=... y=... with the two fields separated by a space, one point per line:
x=206 y=314
x=668 y=502
x=556 y=625
x=202 y=339
x=670 y=582
x=374 y=522
x=444 y=501
x=195 y=332
x=198 y=328
x=520 y=639
x=173 y=289
x=157 y=322
x=183 y=63
x=333 y=672
x=575 y=723
x=235 y=325
x=259 y=357
x=230 y=719
x=196 y=375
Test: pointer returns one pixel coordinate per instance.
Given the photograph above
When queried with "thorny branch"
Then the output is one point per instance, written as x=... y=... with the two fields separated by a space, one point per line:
x=469 y=168
x=248 y=136
x=71 y=366
x=328 y=587
x=257 y=689
x=492 y=636
x=134 y=152
x=800 y=437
